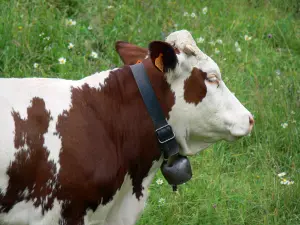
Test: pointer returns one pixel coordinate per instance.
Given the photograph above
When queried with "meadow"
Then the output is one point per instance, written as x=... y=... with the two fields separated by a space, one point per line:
x=256 y=43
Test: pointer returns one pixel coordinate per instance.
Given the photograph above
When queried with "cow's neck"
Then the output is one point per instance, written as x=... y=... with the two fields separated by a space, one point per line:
x=161 y=88
x=130 y=127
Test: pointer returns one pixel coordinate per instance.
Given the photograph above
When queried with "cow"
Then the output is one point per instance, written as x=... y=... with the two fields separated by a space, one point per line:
x=85 y=152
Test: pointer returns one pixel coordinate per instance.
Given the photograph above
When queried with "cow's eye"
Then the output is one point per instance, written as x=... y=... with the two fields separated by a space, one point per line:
x=212 y=79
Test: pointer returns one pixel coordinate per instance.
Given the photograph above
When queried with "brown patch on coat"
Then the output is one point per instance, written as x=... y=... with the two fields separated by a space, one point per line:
x=194 y=87
x=31 y=175
x=106 y=134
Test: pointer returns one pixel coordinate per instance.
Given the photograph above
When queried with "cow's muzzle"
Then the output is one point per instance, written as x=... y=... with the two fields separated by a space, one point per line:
x=177 y=170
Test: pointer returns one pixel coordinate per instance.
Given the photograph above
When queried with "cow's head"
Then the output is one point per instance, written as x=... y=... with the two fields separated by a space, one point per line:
x=205 y=110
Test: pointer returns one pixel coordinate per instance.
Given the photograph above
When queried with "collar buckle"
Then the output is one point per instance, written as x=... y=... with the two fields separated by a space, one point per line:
x=165 y=134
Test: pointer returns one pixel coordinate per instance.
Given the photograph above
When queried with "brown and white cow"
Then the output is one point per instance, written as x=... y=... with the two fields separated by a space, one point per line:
x=85 y=152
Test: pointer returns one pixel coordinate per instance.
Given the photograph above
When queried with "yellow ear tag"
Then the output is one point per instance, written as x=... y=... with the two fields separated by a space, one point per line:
x=159 y=62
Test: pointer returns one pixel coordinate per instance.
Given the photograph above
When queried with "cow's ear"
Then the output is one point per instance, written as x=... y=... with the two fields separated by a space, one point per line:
x=163 y=56
x=129 y=53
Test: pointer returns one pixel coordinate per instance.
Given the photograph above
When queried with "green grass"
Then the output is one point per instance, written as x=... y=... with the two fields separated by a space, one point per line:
x=233 y=183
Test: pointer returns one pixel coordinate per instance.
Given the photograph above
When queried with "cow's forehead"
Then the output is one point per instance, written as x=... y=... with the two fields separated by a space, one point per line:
x=209 y=66
x=181 y=39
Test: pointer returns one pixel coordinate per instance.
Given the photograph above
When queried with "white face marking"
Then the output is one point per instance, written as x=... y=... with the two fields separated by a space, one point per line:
x=218 y=116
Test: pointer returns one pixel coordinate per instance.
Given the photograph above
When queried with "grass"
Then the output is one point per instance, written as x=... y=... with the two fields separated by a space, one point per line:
x=233 y=183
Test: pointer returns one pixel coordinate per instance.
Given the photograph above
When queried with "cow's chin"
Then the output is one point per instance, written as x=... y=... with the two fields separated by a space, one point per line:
x=192 y=147
x=195 y=145
x=231 y=138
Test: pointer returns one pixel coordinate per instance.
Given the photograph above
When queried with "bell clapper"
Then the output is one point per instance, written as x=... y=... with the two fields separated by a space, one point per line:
x=174 y=187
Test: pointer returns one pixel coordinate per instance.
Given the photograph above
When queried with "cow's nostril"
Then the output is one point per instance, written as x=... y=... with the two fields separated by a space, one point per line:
x=251 y=122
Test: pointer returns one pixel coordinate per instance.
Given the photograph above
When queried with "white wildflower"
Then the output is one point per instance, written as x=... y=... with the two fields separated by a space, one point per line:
x=62 y=60
x=159 y=181
x=110 y=7
x=281 y=174
x=284 y=125
x=217 y=51
x=219 y=41
x=247 y=38
x=193 y=15
x=204 y=10
x=238 y=49
x=162 y=201
x=284 y=181
x=70 y=22
x=47 y=38
x=94 y=55
x=278 y=72
x=71 y=45
x=200 y=40
x=41 y=34
x=185 y=14
x=90 y=27
x=292 y=112
x=35 y=65
x=236 y=44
